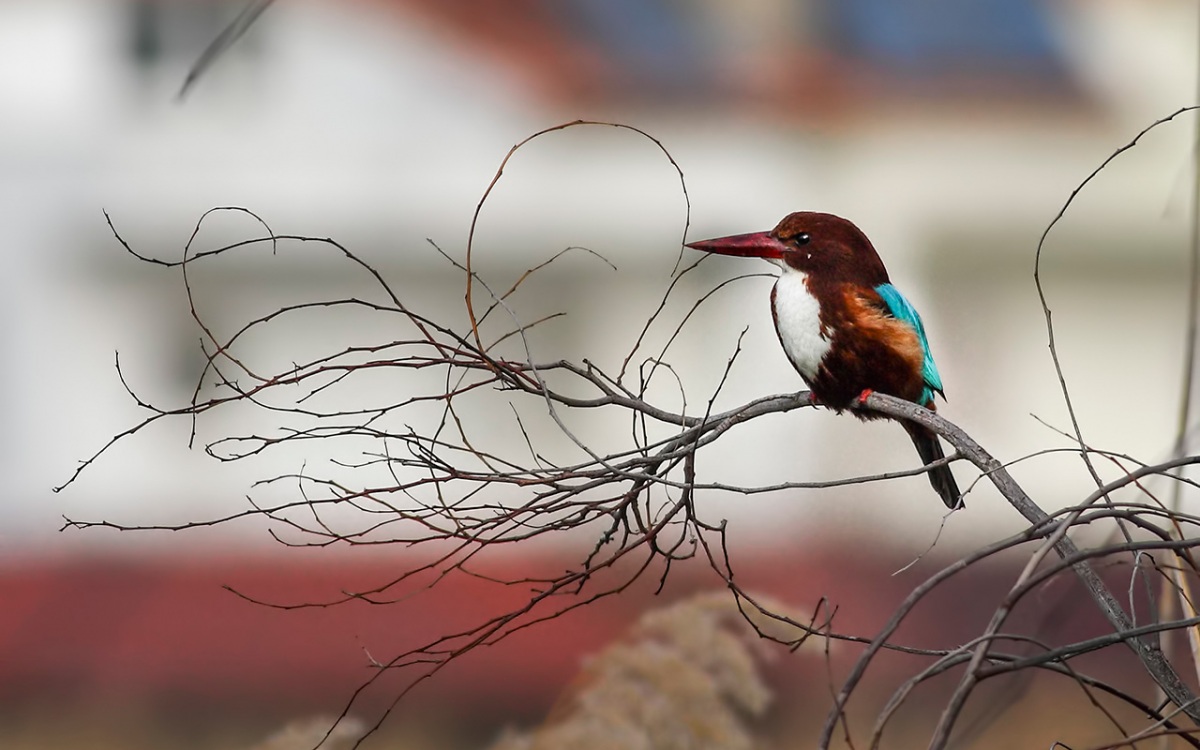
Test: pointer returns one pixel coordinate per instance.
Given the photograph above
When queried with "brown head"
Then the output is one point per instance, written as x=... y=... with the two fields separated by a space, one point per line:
x=824 y=246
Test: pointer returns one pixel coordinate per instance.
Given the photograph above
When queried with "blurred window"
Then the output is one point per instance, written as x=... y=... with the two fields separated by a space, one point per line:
x=171 y=34
x=927 y=36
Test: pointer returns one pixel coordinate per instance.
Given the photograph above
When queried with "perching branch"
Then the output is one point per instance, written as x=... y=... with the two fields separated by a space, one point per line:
x=1147 y=651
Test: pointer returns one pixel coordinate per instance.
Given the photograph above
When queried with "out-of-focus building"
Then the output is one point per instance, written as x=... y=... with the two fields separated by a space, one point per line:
x=951 y=131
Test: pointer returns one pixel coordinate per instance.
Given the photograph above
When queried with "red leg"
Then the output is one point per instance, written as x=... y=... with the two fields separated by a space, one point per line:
x=862 y=397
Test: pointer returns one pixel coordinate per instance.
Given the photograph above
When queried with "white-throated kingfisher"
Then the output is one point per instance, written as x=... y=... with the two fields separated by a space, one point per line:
x=843 y=325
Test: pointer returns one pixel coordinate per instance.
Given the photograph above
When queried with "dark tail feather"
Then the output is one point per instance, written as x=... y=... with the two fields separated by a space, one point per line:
x=941 y=477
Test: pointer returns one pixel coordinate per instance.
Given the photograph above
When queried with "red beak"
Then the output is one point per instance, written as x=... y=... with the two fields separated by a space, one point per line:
x=753 y=245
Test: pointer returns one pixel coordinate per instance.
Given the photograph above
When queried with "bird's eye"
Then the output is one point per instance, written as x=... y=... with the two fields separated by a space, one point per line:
x=802 y=238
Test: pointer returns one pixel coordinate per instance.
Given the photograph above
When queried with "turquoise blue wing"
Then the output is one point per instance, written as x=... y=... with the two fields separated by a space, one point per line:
x=902 y=309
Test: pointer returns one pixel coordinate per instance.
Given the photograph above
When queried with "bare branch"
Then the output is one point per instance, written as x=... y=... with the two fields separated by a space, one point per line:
x=421 y=464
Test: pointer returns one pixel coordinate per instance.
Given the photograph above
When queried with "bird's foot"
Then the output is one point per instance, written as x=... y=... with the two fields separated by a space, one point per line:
x=862 y=397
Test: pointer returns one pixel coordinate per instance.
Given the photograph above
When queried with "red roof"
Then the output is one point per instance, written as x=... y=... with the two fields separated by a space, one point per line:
x=154 y=631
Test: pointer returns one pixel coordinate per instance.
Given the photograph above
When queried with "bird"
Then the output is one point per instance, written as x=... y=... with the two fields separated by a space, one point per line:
x=843 y=325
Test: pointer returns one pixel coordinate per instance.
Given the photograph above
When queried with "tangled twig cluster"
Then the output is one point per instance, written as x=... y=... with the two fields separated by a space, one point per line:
x=423 y=477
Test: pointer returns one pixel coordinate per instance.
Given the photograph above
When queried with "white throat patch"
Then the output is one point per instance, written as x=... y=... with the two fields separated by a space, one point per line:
x=798 y=321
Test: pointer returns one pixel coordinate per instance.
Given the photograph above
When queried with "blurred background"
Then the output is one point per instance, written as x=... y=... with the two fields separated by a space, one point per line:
x=950 y=132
